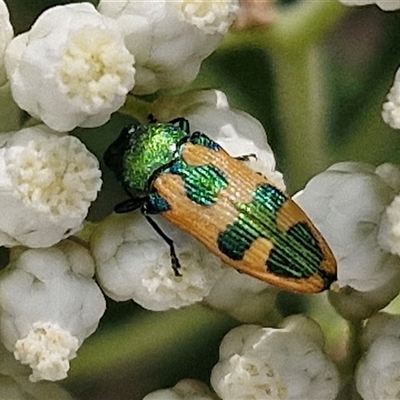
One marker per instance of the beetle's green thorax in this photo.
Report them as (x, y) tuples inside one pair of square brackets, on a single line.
[(141, 150)]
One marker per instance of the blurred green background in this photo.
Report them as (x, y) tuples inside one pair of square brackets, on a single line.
[(318, 90)]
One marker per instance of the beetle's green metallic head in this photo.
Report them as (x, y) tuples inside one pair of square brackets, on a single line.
[(142, 149)]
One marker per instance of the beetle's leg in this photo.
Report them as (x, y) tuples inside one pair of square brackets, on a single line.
[(152, 119), (182, 123), (246, 157), (174, 259), (129, 205), (203, 140)]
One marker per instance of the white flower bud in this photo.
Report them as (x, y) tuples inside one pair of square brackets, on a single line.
[(6, 34), (266, 363), (187, 389), (47, 182), (240, 134), (133, 262), (378, 375), (71, 69), (243, 297), (347, 203), (386, 5), (49, 304), (170, 38)]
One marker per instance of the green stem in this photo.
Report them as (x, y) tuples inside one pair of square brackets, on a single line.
[(292, 39), (10, 113), (136, 108), (302, 110), (295, 26), (354, 352)]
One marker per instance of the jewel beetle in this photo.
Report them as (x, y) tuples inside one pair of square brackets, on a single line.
[(234, 211)]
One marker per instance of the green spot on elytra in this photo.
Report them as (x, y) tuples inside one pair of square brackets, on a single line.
[(295, 253), (202, 183)]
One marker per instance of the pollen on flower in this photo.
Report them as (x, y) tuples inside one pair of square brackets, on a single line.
[(47, 349), (251, 379), (177, 291), (94, 68), (209, 16), (55, 175)]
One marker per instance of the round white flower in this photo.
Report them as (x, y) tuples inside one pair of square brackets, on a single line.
[(267, 363), (6, 34), (240, 134), (71, 69), (245, 298), (47, 183), (386, 5), (187, 389), (378, 373), (133, 262), (347, 203), (49, 304), (170, 38)]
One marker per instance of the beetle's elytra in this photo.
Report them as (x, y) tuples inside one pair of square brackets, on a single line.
[(237, 213)]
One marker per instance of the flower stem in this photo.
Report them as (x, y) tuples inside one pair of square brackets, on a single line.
[(136, 108), (292, 40), (296, 26), (302, 110), (354, 352)]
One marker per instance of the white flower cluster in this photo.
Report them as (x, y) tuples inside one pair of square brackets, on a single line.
[(76, 64), (193, 29), (74, 68), (259, 363)]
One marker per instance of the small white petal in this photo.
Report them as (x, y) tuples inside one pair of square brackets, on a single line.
[(209, 16)]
